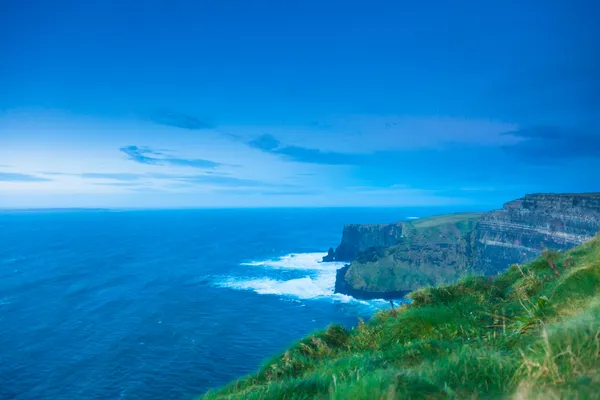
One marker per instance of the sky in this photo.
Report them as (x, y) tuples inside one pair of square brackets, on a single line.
[(169, 104)]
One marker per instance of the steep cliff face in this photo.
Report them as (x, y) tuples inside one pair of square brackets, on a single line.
[(388, 260), (523, 228), (357, 238)]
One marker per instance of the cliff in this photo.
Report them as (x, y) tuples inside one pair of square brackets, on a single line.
[(414, 259), (388, 261), (357, 238), (523, 228)]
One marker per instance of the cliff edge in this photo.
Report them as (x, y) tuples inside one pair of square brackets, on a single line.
[(360, 237), (387, 261)]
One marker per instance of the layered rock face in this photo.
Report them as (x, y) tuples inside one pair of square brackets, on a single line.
[(388, 260), (523, 228), (357, 238)]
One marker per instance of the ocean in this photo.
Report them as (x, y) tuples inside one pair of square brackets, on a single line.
[(164, 304)]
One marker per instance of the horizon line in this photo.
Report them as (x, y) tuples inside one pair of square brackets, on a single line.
[(24, 209)]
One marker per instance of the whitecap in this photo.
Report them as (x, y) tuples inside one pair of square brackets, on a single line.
[(302, 288), (319, 283), (297, 261)]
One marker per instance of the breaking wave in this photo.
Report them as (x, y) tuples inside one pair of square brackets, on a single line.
[(299, 261), (318, 281)]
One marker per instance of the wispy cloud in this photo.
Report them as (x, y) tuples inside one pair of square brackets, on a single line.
[(52, 173), (123, 177), (145, 155), (269, 144), (216, 179), (226, 181), (16, 177), (207, 178), (113, 176), (117, 184), (179, 120), (271, 191), (300, 192), (549, 144)]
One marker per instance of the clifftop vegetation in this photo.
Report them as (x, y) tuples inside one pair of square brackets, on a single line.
[(532, 332), (431, 251)]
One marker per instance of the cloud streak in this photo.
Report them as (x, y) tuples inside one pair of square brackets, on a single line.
[(117, 184), (224, 181), (207, 178), (269, 144), (271, 192), (124, 177), (178, 120), (217, 180), (16, 177), (145, 155), (549, 144)]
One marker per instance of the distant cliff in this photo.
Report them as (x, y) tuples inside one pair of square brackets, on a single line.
[(357, 238), (427, 251), (524, 227), (390, 260)]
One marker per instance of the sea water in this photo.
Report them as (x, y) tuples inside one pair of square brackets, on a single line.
[(164, 304)]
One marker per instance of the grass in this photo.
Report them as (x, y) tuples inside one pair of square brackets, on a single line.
[(532, 332), (433, 250), (436, 220)]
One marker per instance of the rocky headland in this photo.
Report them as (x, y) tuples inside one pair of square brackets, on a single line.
[(389, 260)]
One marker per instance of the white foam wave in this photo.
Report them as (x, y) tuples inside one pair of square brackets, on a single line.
[(319, 284), (301, 261), (412, 217), (302, 288)]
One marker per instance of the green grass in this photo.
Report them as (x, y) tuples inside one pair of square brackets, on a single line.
[(444, 239), (436, 220), (530, 333)]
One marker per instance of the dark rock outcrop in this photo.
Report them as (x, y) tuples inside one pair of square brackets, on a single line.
[(330, 257), (390, 259)]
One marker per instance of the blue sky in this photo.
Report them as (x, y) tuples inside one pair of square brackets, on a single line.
[(313, 103)]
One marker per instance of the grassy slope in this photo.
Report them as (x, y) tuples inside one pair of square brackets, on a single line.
[(527, 334)]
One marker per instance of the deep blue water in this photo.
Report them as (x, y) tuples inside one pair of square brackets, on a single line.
[(163, 304)]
